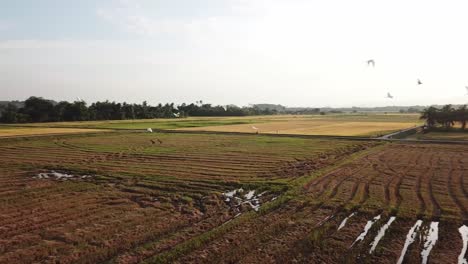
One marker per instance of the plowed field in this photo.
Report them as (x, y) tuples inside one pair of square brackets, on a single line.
[(129, 199), (404, 182), (196, 198)]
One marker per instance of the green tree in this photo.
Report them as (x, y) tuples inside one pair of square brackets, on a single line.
[(430, 115), (462, 116), (10, 114), (38, 109)]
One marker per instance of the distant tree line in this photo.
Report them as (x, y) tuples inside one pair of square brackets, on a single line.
[(37, 109), (445, 117)]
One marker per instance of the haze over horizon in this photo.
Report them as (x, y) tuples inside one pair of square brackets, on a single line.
[(289, 52)]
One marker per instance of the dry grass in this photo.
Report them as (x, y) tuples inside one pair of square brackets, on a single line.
[(350, 124), (23, 131), (142, 199), (314, 127)]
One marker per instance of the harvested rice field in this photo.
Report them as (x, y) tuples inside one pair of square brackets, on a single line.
[(312, 127), (354, 124), (10, 131), (120, 197), (123, 197)]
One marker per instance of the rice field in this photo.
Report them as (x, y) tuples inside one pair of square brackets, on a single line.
[(118, 197), (126, 197), (398, 203), (312, 127), (10, 131), (368, 124)]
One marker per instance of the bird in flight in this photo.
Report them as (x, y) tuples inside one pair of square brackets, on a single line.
[(149, 130), (419, 82), (389, 96), (466, 90), (371, 62), (255, 128)]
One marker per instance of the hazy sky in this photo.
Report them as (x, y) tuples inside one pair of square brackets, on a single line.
[(291, 52)]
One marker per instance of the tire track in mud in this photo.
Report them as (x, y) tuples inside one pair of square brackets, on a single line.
[(166, 239), (392, 194), (324, 181), (417, 187), (411, 165), (351, 177), (436, 211), (460, 179), (337, 176), (378, 160), (285, 230), (452, 170)]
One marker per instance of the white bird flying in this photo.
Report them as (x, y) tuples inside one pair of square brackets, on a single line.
[(419, 82), (389, 96), (254, 128), (371, 62), (149, 130)]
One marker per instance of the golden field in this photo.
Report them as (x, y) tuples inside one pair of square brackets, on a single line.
[(32, 131), (313, 127)]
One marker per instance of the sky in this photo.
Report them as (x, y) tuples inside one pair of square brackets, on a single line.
[(291, 52)]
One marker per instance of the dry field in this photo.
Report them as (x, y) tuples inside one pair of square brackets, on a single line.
[(197, 198), (120, 198), (26, 131), (362, 211), (364, 124), (312, 127)]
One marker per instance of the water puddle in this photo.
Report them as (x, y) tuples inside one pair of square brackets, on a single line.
[(381, 233), (464, 234), (410, 238), (249, 195), (430, 240), (366, 229), (343, 223), (236, 198), (60, 176)]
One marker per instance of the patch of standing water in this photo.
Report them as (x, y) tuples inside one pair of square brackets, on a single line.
[(430, 240), (59, 176), (410, 237), (381, 233), (464, 234), (249, 195), (231, 194), (343, 223), (236, 199), (366, 229)]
